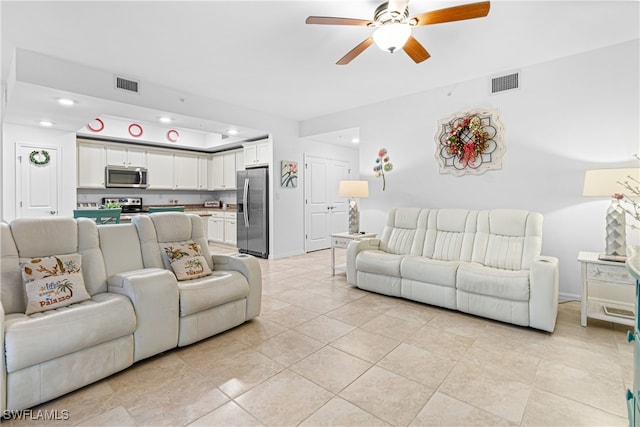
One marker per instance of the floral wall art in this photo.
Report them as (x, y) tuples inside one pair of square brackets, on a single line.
[(289, 174), (470, 143), (382, 165)]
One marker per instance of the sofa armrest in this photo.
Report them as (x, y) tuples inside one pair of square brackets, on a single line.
[(543, 293), (3, 369), (250, 268), (154, 295), (354, 248)]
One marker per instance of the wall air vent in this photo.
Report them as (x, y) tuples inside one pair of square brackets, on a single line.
[(127, 84), (504, 83)]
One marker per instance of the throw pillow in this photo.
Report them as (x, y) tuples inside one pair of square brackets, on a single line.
[(186, 259), (53, 282)]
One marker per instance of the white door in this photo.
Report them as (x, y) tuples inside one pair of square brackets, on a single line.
[(38, 181), (325, 211)]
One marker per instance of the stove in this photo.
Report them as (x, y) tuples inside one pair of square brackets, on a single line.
[(129, 204)]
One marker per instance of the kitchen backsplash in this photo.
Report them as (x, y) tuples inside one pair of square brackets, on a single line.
[(157, 197)]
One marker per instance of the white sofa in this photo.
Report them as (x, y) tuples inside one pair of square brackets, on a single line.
[(136, 307), (483, 262)]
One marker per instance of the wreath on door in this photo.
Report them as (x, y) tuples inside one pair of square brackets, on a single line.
[(39, 157)]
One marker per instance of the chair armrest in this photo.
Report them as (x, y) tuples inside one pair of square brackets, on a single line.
[(154, 295), (249, 267), (543, 293), (354, 248)]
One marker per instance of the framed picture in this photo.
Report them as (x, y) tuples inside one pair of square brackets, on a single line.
[(289, 174)]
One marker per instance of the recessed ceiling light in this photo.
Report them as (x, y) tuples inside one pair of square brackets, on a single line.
[(66, 101), (46, 123), (165, 119), (233, 131)]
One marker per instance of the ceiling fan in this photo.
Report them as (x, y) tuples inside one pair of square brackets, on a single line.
[(393, 26)]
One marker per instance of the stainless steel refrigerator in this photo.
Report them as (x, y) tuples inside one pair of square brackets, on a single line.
[(253, 212)]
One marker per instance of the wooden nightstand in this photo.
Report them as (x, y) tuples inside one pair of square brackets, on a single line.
[(608, 290), (341, 240)]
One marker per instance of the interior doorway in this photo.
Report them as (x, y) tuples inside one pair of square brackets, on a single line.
[(38, 180), (325, 210)]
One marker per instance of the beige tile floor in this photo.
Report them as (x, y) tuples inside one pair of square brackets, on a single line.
[(325, 353)]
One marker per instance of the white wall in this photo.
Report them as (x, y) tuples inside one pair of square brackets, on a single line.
[(569, 115)]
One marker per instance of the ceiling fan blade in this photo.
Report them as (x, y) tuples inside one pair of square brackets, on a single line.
[(328, 20), (456, 13), (415, 50), (350, 56)]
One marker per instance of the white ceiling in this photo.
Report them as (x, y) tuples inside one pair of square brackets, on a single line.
[(261, 55)]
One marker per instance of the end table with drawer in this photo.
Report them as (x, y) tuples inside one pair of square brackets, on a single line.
[(608, 290), (341, 240)]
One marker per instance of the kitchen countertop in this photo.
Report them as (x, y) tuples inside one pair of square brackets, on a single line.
[(193, 209)]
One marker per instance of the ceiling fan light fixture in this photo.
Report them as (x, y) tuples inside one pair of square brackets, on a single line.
[(391, 37)]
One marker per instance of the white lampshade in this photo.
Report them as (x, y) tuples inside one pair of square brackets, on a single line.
[(354, 189), (606, 182), (391, 37)]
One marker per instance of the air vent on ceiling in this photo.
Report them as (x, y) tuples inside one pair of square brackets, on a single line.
[(127, 84), (503, 83)]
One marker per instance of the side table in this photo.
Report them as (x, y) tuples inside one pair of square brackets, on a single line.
[(341, 240), (608, 290)]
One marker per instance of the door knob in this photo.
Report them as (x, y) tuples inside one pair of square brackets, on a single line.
[(52, 212)]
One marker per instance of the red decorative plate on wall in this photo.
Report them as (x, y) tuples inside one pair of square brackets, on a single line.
[(173, 135), (135, 130), (97, 125)]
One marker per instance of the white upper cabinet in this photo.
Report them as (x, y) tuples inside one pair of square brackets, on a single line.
[(186, 172), (257, 154), (91, 163), (203, 173), (160, 170), (223, 170), (124, 156)]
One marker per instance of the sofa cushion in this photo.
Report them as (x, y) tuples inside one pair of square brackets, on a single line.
[(186, 260), (34, 339), (505, 284), (379, 262), (428, 270), (53, 282), (211, 291)]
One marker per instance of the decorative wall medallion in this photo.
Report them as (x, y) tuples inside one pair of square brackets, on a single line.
[(135, 130), (173, 135), (96, 125), (470, 143)]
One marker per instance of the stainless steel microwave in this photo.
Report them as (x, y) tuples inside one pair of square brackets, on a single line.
[(119, 177)]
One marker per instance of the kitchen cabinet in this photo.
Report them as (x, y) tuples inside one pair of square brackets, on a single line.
[(123, 156), (160, 170), (203, 173), (257, 154), (223, 170), (216, 227), (91, 161), (230, 230), (186, 172)]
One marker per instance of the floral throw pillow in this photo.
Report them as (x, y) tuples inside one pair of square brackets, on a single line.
[(53, 282), (186, 260)]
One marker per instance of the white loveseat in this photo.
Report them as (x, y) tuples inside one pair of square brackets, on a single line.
[(483, 262), (136, 307)]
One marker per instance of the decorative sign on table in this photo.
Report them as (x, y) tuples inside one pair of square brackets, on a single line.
[(470, 143)]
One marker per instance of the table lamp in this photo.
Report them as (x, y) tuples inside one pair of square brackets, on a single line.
[(352, 190), (608, 183)]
